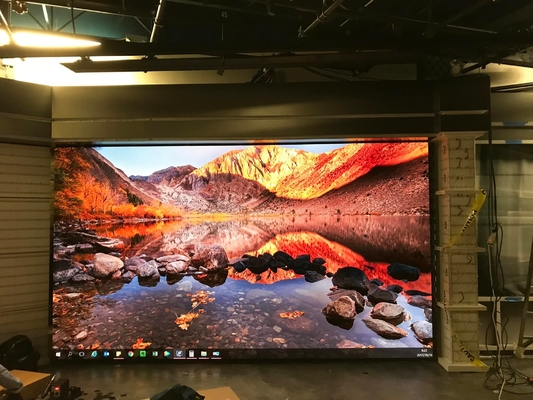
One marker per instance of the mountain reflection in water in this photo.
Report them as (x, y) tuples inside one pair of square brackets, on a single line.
[(368, 243)]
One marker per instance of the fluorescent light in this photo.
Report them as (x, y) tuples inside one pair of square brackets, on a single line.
[(38, 39)]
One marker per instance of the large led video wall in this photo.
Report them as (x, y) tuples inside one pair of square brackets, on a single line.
[(242, 251)]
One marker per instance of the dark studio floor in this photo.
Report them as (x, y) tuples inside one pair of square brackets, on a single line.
[(290, 381)]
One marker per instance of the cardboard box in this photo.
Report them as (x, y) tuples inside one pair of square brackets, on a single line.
[(223, 393), (34, 384)]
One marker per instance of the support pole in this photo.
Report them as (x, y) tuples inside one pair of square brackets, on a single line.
[(158, 23)]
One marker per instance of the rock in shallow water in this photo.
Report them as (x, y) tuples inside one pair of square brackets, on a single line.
[(132, 264), (403, 272), (176, 267), (259, 293), (348, 344), (420, 301), (342, 308), (377, 295), (105, 265), (395, 288), (385, 329), (299, 326), (351, 278), (387, 312), (128, 277), (148, 270), (417, 293), (257, 265), (428, 312), (212, 257), (358, 299), (239, 266), (313, 276), (423, 331)]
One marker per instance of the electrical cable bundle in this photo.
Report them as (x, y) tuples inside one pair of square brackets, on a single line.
[(501, 376), (265, 75)]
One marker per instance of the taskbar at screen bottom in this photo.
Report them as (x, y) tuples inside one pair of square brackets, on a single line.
[(238, 354)]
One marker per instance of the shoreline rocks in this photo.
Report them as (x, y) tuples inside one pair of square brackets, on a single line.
[(212, 257), (106, 265)]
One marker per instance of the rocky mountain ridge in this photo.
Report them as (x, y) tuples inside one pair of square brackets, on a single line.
[(251, 179)]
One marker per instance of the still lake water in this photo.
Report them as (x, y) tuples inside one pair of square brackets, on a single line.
[(245, 312)]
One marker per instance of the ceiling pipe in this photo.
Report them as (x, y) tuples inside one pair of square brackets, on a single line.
[(323, 17), (4, 21), (158, 23)]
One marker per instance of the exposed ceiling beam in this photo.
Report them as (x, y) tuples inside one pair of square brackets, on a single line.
[(516, 63), (454, 46), (341, 60), (105, 7), (364, 14), (148, 11), (460, 14)]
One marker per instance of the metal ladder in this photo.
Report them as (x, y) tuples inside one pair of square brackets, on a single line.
[(525, 341)]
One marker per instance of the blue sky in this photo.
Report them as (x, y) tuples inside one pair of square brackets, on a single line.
[(144, 160)]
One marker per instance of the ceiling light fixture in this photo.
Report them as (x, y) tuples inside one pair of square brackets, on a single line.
[(38, 39)]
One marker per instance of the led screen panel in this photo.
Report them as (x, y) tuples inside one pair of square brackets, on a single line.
[(242, 251)]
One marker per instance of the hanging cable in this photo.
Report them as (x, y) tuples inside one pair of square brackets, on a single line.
[(502, 377), (72, 17)]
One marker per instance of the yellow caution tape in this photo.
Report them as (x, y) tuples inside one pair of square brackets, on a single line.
[(478, 203), (473, 359)]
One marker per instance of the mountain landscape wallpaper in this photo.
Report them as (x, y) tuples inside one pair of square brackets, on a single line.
[(279, 248)]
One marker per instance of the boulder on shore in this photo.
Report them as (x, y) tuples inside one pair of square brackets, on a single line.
[(385, 329), (403, 272), (132, 264), (148, 270), (105, 265), (213, 257), (64, 270), (172, 258), (342, 308), (176, 267), (351, 278)]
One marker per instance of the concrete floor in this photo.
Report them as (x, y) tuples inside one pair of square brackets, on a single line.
[(390, 379)]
